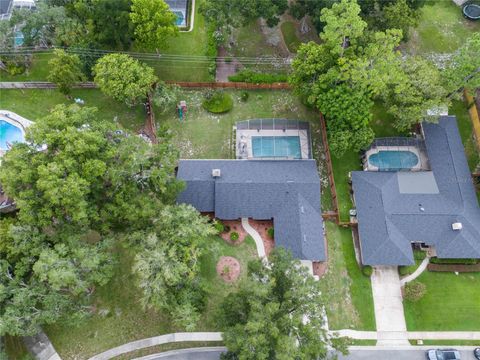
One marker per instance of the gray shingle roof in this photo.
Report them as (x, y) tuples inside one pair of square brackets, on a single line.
[(287, 191), (392, 214)]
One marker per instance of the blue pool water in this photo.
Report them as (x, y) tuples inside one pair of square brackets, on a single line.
[(276, 146), (387, 160), (18, 38), (9, 134), (180, 21)]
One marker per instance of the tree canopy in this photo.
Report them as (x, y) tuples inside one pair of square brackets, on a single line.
[(463, 70), (154, 23), (276, 314), (241, 12), (76, 171), (352, 67), (46, 279), (124, 78), (167, 263), (65, 70)]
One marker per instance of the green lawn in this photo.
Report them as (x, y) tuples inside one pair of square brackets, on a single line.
[(38, 70), (442, 29), (347, 291), (36, 103), (450, 304), (192, 43), (290, 36), (465, 127), (119, 317), (251, 42), (16, 349)]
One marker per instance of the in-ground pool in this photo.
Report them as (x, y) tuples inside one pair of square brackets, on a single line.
[(180, 20), (9, 134), (276, 146), (388, 160)]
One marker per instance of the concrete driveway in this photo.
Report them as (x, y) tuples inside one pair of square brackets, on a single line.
[(388, 304)]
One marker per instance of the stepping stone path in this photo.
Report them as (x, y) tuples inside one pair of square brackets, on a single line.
[(228, 268)]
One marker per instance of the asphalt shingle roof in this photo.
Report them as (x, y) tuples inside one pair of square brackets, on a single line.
[(286, 190), (390, 219)]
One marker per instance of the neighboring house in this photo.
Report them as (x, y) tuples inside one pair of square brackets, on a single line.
[(433, 205), (287, 191), (7, 7)]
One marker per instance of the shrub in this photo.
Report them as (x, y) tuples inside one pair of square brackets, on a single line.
[(250, 76), (367, 270), (234, 236), (220, 102), (414, 291), (15, 69), (436, 260), (244, 96), (219, 227), (406, 270), (270, 233)]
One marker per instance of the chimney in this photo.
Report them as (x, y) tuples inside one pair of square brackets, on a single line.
[(457, 226), (216, 173)]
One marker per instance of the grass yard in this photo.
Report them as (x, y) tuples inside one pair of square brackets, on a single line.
[(192, 43), (252, 42), (16, 349), (442, 29), (119, 317), (465, 127), (34, 104), (451, 303), (38, 70), (347, 291), (290, 38)]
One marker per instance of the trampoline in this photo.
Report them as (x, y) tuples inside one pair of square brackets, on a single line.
[(472, 11)]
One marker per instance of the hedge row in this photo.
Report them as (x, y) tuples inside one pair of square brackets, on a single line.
[(250, 76), (436, 260)]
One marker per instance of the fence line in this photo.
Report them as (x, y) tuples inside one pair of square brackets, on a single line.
[(328, 159), (183, 84)]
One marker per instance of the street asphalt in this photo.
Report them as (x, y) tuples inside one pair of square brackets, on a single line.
[(355, 354)]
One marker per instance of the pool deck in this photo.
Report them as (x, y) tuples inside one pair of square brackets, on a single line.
[(16, 120), (244, 148), (420, 166)]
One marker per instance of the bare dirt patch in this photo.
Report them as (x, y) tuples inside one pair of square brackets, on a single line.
[(228, 268)]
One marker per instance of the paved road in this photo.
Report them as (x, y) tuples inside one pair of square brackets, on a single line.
[(355, 354), (395, 355)]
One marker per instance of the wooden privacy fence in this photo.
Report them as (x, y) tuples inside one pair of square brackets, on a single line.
[(331, 179), (232, 85)]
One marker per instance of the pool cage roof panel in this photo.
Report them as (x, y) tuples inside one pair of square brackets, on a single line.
[(177, 4), (272, 124)]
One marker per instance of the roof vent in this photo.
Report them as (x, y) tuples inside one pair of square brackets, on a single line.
[(457, 226), (216, 173), (302, 209)]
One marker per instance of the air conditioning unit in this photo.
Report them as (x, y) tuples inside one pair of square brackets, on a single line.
[(457, 226), (216, 173)]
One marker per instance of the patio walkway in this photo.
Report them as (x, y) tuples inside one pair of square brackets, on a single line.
[(256, 237), (421, 268)]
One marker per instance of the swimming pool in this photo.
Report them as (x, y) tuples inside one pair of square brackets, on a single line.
[(276, 146), (180, 20), (390, 160), (9, 134)]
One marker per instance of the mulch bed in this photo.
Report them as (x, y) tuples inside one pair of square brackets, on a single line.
[(453, 268), (235, 226), (228, 268), (262, 226), (319, 268)]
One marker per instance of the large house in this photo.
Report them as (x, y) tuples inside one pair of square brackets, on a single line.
[(287, 191), (7, 7), (433, 205)]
